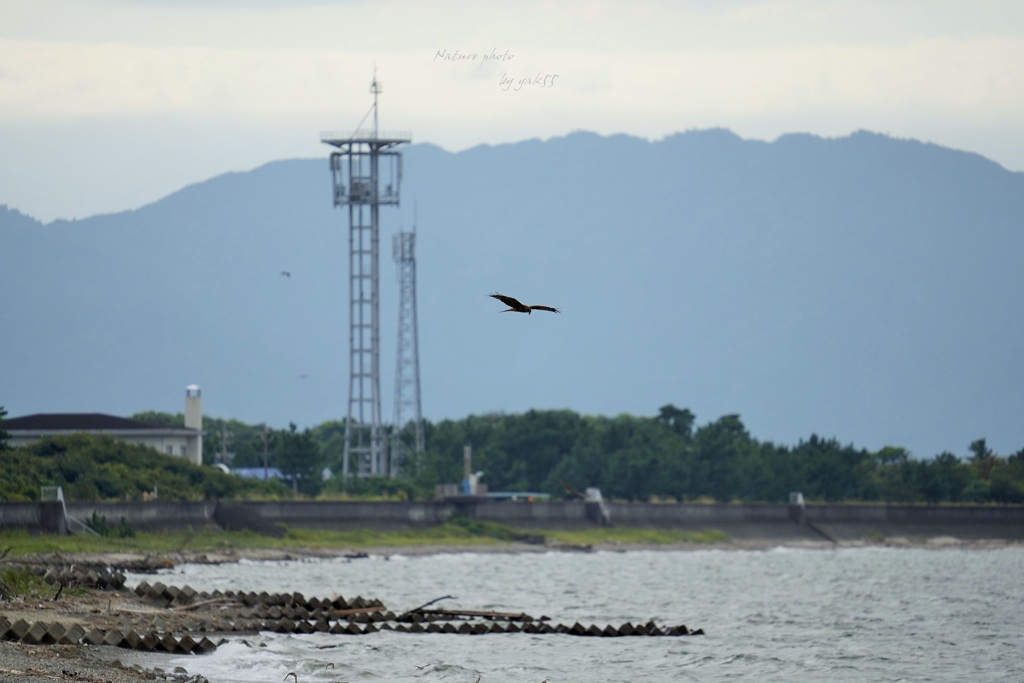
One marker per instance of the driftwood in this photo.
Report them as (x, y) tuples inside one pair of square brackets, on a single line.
[(483, 614), (467, 613), (404, 615), (202, 603), (357, 610)]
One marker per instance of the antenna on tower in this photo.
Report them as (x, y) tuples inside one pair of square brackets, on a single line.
[(376, 89)]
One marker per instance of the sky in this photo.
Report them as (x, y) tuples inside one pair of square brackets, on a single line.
[(108, 105)]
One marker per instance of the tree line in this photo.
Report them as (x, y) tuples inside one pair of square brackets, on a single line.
[(663, 456), (666, 456)]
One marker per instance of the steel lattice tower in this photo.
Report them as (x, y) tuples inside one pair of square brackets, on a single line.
[(364, 161), (407, 437)]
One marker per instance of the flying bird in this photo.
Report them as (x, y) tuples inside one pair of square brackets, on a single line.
[(286, 273), (515, 306)]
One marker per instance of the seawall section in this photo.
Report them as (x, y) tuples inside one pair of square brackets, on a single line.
[(780, 522)]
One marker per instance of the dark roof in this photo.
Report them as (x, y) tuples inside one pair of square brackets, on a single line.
[(77, 422)]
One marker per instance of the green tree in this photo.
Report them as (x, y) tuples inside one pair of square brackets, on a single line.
[(724, 450), (980, 450), (678, 420), (943, 479), (893, 475), (330, 437), (159, 418), (298, 457), (831, 471)]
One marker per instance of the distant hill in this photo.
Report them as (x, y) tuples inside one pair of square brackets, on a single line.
[(863, 288)]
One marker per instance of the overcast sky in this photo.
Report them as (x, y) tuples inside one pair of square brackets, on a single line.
[(107, 105)]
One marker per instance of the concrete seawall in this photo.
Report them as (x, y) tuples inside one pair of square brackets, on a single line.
[(744, 522)]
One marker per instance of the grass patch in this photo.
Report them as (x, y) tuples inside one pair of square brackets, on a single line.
[(874, 537), (628, 535), (361, 538), (209, 539), (458, 531), (22, 583)]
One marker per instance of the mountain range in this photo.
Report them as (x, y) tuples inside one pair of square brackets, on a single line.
[(864, 288)]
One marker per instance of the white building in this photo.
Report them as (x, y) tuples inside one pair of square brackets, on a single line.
[(185, 442)]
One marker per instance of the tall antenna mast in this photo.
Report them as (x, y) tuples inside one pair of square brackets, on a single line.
[(407, 437), (376, 89), (365, 160)]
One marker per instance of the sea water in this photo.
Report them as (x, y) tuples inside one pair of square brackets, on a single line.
[(785, 614)]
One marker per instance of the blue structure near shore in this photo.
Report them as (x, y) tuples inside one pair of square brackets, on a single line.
[(261, 473), (527, 496)]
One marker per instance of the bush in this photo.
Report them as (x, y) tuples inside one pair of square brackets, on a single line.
[(100, 468), (122, 529)]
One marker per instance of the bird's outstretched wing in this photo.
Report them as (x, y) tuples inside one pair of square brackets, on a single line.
[(544, 308), (510, 302)]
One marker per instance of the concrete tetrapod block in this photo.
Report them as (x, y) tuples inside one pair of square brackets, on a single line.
[(149, 642), (205, 646), (54, 633), (74, 634), (36, 633), (186, 644), (167, 643), (18, 629), (94, 636), (282, 626), (113, 637), (186, 595), (131, 640)]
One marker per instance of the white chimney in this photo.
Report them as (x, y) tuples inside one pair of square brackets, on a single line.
[(194, 420)]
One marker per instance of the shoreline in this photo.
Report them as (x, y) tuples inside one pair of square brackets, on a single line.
[(168, 559), (39, 663), (151, 562)]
